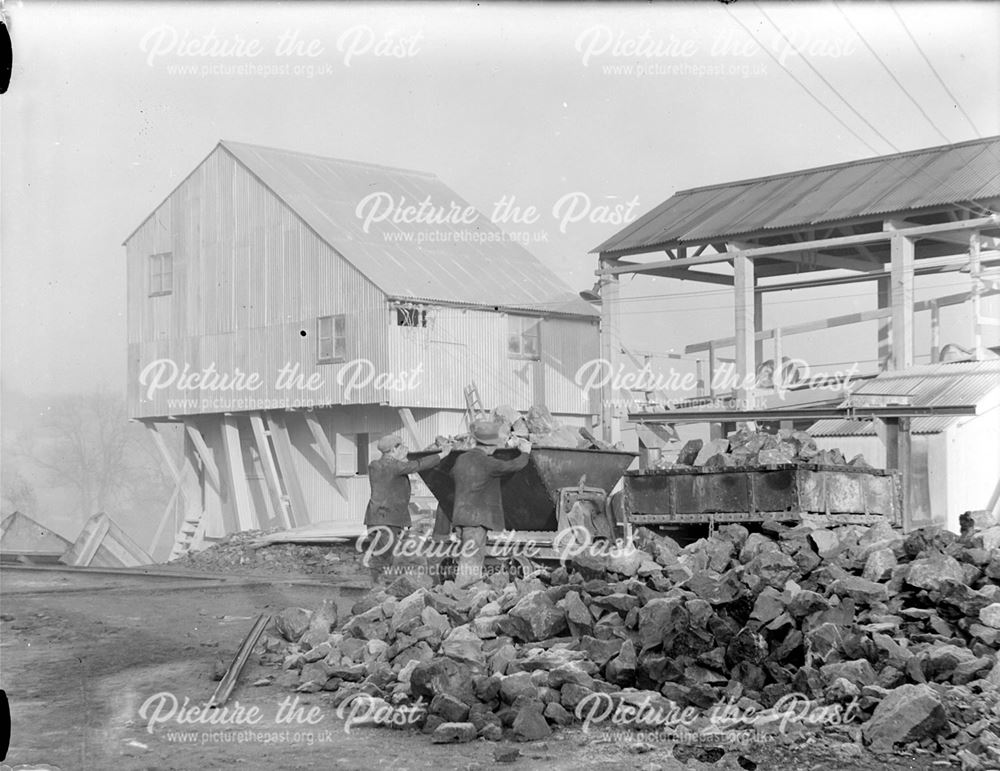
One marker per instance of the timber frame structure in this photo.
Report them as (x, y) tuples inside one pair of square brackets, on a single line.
[(885, 219)]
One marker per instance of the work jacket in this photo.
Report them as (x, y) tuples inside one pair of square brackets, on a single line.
[(477, 488), (390, 483)]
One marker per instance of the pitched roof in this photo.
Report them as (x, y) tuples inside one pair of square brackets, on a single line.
[(928, 385), (951, 174), (456, 254)]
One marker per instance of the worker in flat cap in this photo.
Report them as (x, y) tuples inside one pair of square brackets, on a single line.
[(478, 507), (389, 508)]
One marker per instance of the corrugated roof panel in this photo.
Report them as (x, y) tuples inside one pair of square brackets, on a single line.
[(824, 201), (933, 425), (683, 211), (440, 258), (739, 215), (959, 173), (931, 181), (928, 385), (809, 197)]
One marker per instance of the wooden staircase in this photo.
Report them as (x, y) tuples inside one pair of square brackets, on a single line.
[(190, 534)]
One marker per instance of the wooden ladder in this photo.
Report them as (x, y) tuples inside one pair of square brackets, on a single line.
[(474, 406)]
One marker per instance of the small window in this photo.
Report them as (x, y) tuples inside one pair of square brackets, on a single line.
[(161, 274), (524, 339), (411, 317), (331, 344), (362, 442)]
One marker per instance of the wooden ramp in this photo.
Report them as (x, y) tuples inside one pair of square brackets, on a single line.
[(102, 543), (327, 531), (22, 539)]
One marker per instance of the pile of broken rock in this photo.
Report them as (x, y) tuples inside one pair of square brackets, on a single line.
[(757, 448), (897, 634)]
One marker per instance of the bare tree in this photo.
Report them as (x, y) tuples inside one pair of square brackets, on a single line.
[(18, 494), (85, 443)]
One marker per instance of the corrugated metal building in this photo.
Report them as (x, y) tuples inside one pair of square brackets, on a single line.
[(285, 307), (882, 221), (956, 460)]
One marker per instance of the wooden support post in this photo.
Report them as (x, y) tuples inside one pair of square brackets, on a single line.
[(714, 429), (898, 456), (161, 445), (902, 301), (286, 464), (411, 426), (884, 300), (270, 469), (165, 518), (975, 269), (610, 343), (746, 364), (172, 471), (779, 370), (204, 454), (905, 461), (758, 326), (186, 487), (325, 450), (935, 331), (237, 474)]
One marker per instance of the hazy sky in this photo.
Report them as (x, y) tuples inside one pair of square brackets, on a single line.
[(112, 105)]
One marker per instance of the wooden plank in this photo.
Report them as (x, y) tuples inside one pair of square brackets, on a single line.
[(610, 340), (744, 325), (325, 450), (839, 321), (204, 454), (805, 246), (322, 442), (101, 527), (299, 513), (935, 331), (411, 426), (977, 288), (237, 473), (902, 302), (161, 445), (758, 326), (270, 470), (904, 457), (883, 289), (166, 517)]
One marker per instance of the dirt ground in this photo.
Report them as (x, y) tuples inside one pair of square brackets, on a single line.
[(81, 652)]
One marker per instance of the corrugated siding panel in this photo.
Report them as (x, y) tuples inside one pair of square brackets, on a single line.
[(460, 346), (249, 278)]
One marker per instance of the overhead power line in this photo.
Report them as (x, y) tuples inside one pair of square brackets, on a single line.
[(974, 211), (828, 84), (954, 99), (889, 72)]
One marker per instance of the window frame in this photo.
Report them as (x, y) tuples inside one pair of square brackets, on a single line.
[(523, 324), (336, 319), (160, 280), (362, 443)]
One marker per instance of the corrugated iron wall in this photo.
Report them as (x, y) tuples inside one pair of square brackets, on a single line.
[(250, 280)]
